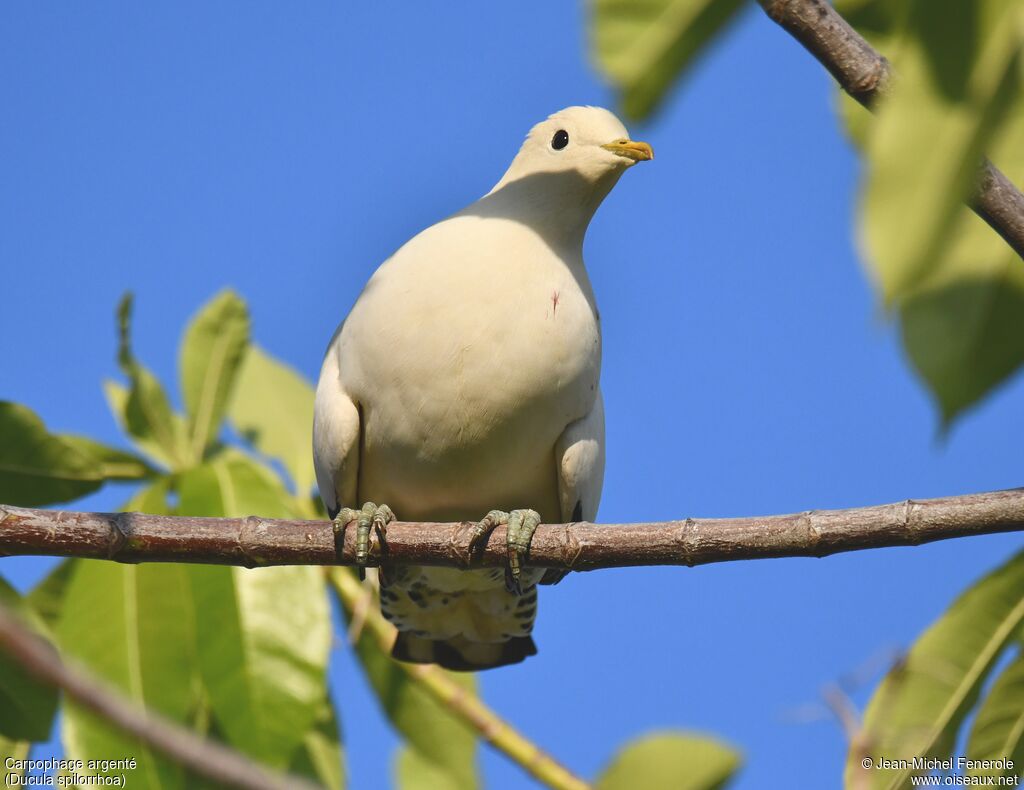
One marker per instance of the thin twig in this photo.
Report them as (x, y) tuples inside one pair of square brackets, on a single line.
[(839, 702), (842, 707), (465, 707), (253, 541), (865, 74), (208, 759)]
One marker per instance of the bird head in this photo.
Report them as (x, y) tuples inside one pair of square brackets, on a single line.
[(589, 141), (564, 169)]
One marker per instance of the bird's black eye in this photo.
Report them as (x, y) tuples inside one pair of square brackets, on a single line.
[(560, 140)]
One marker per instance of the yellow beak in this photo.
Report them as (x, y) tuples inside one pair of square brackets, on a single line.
[(631, 149)]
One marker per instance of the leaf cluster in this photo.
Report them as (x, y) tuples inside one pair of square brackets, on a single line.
[(955, 287), (961, 684)]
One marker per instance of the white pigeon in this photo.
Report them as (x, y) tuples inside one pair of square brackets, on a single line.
[(464, 382)]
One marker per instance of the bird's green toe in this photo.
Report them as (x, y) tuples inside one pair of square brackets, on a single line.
[(483, 529), (370, 518), (521, 526)]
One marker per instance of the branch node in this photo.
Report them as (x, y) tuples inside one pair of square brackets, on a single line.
[(810, 520), (250, 524), (871, 82), (571, 548), (120, 527), (908, 523), (776, 9), (458, 544), (688, 540)]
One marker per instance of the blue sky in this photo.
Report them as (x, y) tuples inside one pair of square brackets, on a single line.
[(285, 150)]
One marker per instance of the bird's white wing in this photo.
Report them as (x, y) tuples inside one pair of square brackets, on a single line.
[(579, 454), (336, 427)]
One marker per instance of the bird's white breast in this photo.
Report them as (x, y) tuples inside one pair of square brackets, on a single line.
[(468, 354)]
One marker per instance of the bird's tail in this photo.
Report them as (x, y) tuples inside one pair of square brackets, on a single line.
[(461, 655)]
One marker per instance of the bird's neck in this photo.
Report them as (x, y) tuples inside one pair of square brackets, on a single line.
[(558, 205)]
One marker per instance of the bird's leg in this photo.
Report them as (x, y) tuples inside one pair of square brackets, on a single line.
[(369, 518), (521, 526)]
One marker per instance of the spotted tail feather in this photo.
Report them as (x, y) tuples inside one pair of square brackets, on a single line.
[(461, 655)]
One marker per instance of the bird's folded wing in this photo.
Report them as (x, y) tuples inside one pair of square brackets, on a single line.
[(336, 426)]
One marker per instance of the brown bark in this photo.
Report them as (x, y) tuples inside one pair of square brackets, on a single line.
[(254, 541)]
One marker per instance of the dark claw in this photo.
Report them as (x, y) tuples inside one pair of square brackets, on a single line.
[(381, 519), (512, 583)]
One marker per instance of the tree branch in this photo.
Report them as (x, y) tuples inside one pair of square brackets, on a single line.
[(253, 541), (865, 74), (213, 761)]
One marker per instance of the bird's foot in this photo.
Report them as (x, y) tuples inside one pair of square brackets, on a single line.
[(521, 526), (369, 518)]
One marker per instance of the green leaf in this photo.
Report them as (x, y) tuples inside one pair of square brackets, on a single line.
[(47, 597), (962, 324), (146, 411), (856, 119), (263, 641), (436, 737), (642, 46), (117, 401), (874, 19), (958, 76), (964, 328), (234, 485), (320, 757), (114, 464), (263, 635), (998, 730), (14, 750), (273, 408), (211, 352), (967, 337), (671, 761), (148, 416), (921, 703), (151, 499), (414, 771), (27, 706), (38, 467), (131, 625)]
